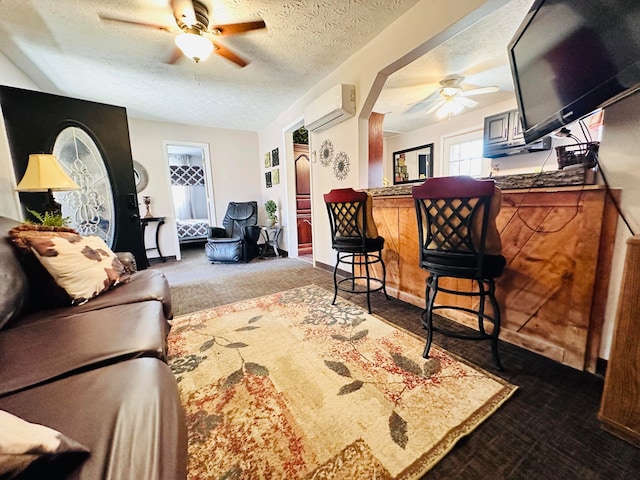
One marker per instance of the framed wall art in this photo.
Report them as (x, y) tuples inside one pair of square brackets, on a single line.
[(276, 176), (413, 164), (267, 179), (267, 160), (275, 157)]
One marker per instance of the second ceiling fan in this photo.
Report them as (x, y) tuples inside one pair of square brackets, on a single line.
[(193, 20), (451, 98)]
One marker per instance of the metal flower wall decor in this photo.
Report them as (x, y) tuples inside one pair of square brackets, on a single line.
[(341, 166), (326, 153)]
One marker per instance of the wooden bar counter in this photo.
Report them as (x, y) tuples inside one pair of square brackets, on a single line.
[(558, 242)]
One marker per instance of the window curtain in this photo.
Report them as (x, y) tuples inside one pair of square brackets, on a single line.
[(187, 185)]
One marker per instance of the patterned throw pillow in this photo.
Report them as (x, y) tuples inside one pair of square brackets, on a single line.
[(44, 291), (83, 266), (36, 451)]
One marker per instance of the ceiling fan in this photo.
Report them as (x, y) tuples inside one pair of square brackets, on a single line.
[(192, 19), (451, 98)]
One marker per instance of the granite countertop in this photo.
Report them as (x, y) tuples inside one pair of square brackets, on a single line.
[(556, 178)]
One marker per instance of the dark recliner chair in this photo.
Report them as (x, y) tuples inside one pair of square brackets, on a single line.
[(238, 240)]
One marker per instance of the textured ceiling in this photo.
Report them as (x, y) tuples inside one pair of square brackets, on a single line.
[(478, 53), (66, 48)]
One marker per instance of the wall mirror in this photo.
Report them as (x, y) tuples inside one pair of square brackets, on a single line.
[(413, 164)]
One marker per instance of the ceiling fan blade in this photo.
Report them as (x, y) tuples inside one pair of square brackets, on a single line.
[(435, 106), (229, 55), (467, 102), (233, 28), (435, 95), (133, 22), (184, 12), (426, 100), (176, 54), (480, 91)]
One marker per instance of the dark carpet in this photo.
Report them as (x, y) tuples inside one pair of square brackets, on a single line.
[(547, 430)]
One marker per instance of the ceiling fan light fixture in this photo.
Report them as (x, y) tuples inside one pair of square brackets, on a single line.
[(450, 108), (450, 91), (194, 45)]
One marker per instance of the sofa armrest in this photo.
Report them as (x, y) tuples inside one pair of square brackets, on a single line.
[(128, 260), (217, 232)]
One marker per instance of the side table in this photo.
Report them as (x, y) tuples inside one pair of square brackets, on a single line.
[(271, 235), (159, 221)]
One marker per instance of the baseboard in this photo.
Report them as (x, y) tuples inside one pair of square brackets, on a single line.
[(155, 260), (329, 268)]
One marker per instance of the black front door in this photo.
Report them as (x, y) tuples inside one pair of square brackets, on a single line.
[(36, 122)]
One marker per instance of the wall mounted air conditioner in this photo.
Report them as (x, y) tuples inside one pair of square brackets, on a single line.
[(332, 107)]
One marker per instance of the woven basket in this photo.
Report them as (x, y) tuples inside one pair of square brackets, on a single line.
[(582, 154)]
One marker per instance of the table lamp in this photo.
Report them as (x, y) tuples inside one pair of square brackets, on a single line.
[(45, 174)]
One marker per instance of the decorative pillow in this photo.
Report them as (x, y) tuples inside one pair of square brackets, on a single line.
[(44, 291), (16, 232), (83, 266), (35, 451)]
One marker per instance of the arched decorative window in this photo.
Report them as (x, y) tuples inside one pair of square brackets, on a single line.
[(91, 208)]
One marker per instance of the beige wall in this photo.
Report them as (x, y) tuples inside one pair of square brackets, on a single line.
[(233, 156)]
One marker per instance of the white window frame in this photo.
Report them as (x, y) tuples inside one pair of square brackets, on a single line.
[(483, 168)]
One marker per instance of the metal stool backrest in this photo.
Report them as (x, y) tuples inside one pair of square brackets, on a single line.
[(346, 209), (453, 214)]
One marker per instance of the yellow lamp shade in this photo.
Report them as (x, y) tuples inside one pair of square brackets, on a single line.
[(44, 173)]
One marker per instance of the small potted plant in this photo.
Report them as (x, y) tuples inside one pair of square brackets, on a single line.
[(50, 219), (271, 207)]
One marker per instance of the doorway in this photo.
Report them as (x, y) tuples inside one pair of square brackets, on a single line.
[(92, 143), (303, 199), (191, 191)]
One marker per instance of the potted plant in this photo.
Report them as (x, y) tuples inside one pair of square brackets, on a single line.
[(50, 219), (271, 207)]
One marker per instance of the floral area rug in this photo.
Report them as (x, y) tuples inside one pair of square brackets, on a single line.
[(288, 386)]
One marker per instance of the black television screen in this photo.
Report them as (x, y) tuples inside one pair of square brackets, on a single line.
[(570, 57)]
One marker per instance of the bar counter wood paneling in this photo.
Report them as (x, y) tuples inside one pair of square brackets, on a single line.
[(558, 244), (620, 407)]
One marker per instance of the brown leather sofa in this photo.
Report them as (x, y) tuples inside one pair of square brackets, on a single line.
[(95, 372)]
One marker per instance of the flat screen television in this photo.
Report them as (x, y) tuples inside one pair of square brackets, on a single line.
[(571, 57)]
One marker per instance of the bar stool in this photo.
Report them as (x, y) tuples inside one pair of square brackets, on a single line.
[(459, 239), (355, 239)]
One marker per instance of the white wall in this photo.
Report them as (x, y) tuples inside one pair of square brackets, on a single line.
[(233, 157), (456, 125), (414, 33), (11, 76), (473, 121), (619, 159)]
